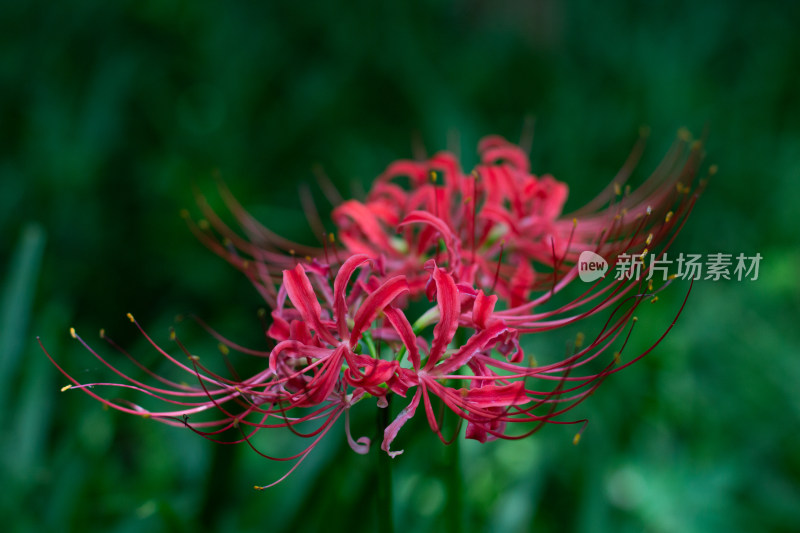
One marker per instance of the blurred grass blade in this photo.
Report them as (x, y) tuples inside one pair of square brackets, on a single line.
[(16, 302)]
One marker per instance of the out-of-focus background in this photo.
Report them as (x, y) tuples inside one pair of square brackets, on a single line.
[(111, 112)]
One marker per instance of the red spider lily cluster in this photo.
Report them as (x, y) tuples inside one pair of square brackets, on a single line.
[(490, 250)]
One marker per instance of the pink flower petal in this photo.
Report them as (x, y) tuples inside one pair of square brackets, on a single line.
[(483, 308), (376, 302), (496, 395), (302, 295), (354, 214), (400, 323), (509, 153), (477, 343), (449, 310), (339, 287), (360, 446), (452, 243), (392, 429)]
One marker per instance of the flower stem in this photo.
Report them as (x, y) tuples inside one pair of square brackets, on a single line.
[(455, 503), (384, 492), (455, 499)]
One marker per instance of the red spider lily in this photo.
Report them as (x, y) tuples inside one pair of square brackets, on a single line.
[(478, 246)]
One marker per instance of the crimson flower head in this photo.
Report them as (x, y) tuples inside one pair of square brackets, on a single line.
[(485, 257)]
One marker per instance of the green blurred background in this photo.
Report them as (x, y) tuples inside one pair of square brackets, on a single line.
[(110, 112)]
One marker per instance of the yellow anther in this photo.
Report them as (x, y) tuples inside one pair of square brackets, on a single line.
[(617, 189), (203, 224), (102, 333), (576, 439), (617, 357), (308, 258), (579, 338), (172, 335), (574, 222), (668, 217), (467, 199), (332, 237), (72, 333), (194, 358), (145, 415), (130, 317), (66, 387), (256, 487), (712, 170), (697, 145), (684, 135), (223, 349), (650, 285), (649, 239), (636, 319), (624, 212), (673, 276), (434, 176), (644, 253), (246, 263), (291, 251), (654, 300)]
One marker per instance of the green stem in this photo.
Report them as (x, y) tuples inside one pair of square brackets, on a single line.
[(367, 336), (384, 492), (455, 501)]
